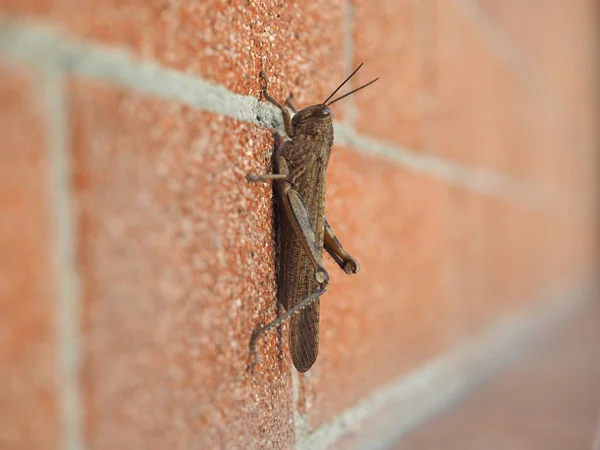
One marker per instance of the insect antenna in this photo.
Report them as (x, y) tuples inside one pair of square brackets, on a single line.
[(343, 83), (352, 92)]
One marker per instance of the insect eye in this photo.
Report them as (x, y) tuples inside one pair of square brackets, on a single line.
[(324, 113)]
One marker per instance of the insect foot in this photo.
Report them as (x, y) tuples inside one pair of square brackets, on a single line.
[(351, 266), (321, 276), (253, 178)]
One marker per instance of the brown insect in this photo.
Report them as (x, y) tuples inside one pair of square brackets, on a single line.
[(300, 166)]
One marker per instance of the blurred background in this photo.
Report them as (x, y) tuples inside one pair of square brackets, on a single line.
[(135, 259)]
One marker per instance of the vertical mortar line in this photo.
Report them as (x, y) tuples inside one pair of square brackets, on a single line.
[(65, 241), (349, 60), (301, 422)]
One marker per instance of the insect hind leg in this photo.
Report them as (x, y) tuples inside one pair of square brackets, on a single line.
[(305, 302)]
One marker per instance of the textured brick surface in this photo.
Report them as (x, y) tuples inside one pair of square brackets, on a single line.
[(396, 235), (476, 111), (177, 269), (227, 42), (389, 38), (502, 256), (549, 400), (28, 407), (175, 249), (491, 103), (561, 49), (555, 42), (18, 8), (464, 258)]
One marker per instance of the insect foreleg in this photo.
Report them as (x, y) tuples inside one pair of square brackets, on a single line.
[(281, 173), (265, 177), (287, 120), (290, 103)]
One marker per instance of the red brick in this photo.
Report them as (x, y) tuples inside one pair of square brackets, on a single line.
[(28, 410), (35, 8), (501, 257), (480, 260), (476, 113), (576, 250), (392, 316), (508, 260), (176, 250), (177, 263), (389, 39), (492, 109), (484, 112), (555, 36), (559, 41), (464, 256), (298, 44)]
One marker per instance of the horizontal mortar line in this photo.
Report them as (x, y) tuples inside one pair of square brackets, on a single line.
[(45, 47), (472, 178), (428, 390)]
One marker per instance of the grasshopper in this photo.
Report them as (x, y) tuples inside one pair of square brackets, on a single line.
[(300, 165)]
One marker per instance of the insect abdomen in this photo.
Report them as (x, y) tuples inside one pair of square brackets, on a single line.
[(297, 273)]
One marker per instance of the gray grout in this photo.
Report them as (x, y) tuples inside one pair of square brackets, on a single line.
[(301, 422), (65, 241), (44, 47), (475, 179), (412, 399)]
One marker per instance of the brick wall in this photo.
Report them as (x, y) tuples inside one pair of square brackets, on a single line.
[(136, 260)]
